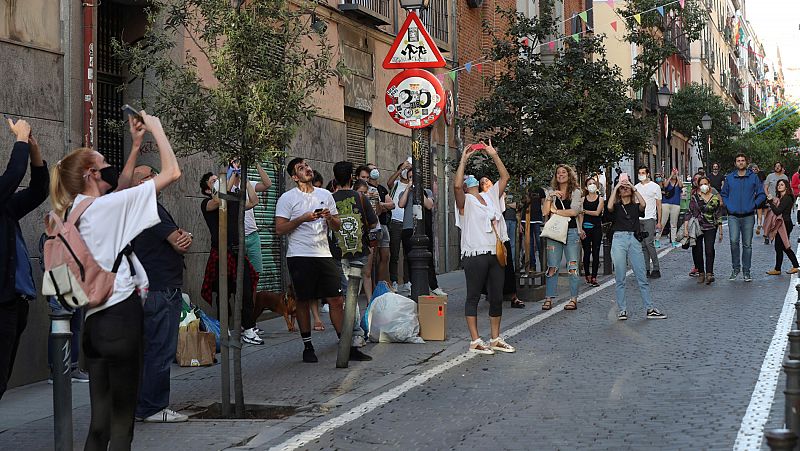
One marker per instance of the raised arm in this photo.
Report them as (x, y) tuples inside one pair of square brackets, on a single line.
[(137, 130), (396, 174), (18, 163), (170, 171), (501, 168), (265, 182), (252, 197), (458, 181)]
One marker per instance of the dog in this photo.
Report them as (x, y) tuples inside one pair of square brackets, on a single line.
[(281, 303)]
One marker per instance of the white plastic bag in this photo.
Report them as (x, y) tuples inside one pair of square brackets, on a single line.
[(393, 319)]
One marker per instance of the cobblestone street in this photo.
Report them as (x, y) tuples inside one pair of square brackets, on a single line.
[(579, 380)]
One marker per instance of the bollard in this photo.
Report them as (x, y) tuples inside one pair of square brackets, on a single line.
[(797, 306), (62, 384), (792, 392), (346, 339), (607, 267), (794, 345), (780, 439)]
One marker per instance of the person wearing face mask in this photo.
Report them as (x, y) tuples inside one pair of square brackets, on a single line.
[(398, 182), (383, 205), (112, 334), (592, 230), (651, 223), (778, 225), (671, 205), (706, 207)]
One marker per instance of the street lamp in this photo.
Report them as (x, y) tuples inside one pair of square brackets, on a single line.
[(419, 256), (706, 121), (664, 96)]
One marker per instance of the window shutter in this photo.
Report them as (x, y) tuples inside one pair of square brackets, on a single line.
[(356, 136)]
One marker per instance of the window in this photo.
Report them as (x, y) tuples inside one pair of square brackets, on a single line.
[(356, 121)]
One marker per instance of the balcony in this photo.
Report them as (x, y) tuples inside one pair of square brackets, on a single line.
[(736, 90), (435, 19), (673, 34), (371, 12)]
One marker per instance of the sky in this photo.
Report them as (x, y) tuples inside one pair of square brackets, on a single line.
[(777, 25)]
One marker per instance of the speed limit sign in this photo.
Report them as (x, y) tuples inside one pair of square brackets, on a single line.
[(415, 98)]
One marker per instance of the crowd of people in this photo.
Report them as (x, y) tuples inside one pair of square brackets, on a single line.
[(129, 339)]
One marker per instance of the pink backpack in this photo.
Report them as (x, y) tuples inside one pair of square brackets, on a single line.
[(71, 273)]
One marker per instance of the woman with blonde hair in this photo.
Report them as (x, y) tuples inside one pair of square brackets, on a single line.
[(564, 199), (112, 334)]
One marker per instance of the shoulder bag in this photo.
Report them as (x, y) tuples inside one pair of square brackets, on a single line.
[(556, 227)]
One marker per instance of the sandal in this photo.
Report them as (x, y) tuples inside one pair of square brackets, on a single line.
[(548, 304), (571, 305), (517, 303), (319, 327)]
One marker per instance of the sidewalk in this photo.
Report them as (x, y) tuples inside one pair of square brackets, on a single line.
[(273, 374)]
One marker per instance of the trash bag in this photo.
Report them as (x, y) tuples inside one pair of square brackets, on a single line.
[(187, 311), (380, 289), (392, 318), (209, 324)]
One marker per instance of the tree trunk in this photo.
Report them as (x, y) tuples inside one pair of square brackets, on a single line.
[(238, 389), (222, 297)]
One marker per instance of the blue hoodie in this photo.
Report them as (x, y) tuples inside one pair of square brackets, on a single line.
[(742, 194)]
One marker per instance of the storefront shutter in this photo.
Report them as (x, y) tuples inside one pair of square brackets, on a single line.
[(272, 278)]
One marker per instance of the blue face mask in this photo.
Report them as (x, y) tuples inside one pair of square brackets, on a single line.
[(471, 181)]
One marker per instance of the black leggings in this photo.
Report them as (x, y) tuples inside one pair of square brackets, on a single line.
[(112, 343), (705, 245), (591, 250), (480, 271), (780, 249)]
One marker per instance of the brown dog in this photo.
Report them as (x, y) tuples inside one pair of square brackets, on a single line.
[(281, 303)]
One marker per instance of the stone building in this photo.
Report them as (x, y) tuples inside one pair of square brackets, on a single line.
[(60, 74)]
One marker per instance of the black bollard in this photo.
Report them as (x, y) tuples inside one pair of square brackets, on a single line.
[(797, 307), (794, 345), (792, 392), (350, 302), (780, 439), (607, 267), (60, 336)]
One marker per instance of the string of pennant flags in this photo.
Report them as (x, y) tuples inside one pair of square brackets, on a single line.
[(584, 15)]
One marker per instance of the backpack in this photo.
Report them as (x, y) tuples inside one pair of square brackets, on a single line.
[(71, 273)]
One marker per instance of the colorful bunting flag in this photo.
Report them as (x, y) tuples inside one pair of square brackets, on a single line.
[(479, 67), (552, 45), (452, 75), (468, 67), (614, 25), (585, 16), (638, 18), (660, 10), (683, 3), (576, 37), (611, 3)]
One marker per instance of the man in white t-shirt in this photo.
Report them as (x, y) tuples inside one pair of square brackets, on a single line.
[(651, 222), (398, 182), (251, 239), (304, 214)]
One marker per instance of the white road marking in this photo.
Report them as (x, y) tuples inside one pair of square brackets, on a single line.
[(364, 408), (751, 431)]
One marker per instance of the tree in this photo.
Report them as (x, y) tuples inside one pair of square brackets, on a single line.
[(574, 110), (657, 36), (266, 62), (689, 105), (765, 144)]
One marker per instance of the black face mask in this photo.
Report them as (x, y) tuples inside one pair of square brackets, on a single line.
[(110, 176)]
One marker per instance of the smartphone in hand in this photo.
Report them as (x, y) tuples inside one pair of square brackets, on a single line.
[(623, 177), (478, 146), (132, 112)]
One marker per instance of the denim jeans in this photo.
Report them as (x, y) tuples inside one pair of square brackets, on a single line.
[(359, 337), (162, 313), (75, 324), (741, 229), (571, 252), (535, 231), (511, 225), (625, 247)]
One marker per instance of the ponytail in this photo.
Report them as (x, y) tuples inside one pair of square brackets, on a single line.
[(66, 179)]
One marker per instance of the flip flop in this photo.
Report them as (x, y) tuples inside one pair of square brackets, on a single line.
[(319, 327)]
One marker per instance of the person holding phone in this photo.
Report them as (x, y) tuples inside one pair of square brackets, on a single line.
[(626, 206), (671, 191)]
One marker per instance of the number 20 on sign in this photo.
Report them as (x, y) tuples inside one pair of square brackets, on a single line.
[(415, 98)]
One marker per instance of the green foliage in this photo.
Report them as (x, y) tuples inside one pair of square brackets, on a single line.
[(575, 110), (764, 144), (265, 63), (651, 36), (689, 105)]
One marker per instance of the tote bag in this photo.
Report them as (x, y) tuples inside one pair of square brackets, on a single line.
[(556, 227)]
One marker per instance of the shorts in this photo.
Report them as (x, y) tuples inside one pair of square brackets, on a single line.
[(314, 277), (384, 237)]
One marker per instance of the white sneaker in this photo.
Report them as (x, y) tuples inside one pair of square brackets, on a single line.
[(405, 288), (325, 308), (250, 336), (438, 292), (166, 416)]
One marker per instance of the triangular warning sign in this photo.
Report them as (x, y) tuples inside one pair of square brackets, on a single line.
[(413, 48)]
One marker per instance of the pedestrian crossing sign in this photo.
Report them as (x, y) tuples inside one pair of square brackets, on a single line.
[(413, 48)]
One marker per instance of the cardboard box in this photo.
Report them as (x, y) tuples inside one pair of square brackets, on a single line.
[(432, 313)]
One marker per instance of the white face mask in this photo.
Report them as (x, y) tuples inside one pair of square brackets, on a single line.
[(642, 178), (591, 188), (704, 189)]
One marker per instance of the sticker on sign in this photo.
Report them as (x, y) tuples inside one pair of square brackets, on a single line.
[(414, 98), (413, 48)]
